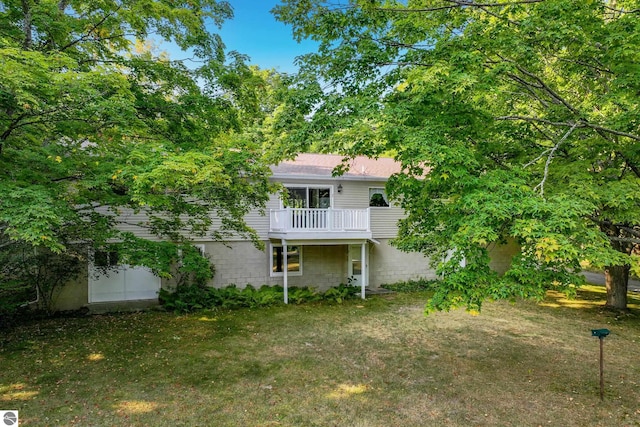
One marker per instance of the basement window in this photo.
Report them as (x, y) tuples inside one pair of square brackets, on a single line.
[(294, 260)]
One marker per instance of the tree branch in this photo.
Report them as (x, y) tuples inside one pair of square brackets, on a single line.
[(495, 15), (612, 131), (533, 119), (584, 64), (537, 158), (621, 10), (67, 178), (550, 158), (625, 239), (403, 64), (630, 165), (90, 30), (12, 126), (546, 88), (629, 230), (528, 87), (619, 226), (458, 4), (580, 124), (7, 243)]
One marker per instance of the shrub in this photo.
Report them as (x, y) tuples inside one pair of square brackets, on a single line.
[(189, 298), (412, 285), (303, 295), (341, 293), (34, 275), (184, 298)]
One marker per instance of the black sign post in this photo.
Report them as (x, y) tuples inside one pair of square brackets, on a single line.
[(601, 333)]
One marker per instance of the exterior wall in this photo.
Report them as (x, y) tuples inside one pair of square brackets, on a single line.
[(323, 266), (389, 265), (384, 222), (75, 294), (501, 255), (240, 263), (354, 195), (128, 220)]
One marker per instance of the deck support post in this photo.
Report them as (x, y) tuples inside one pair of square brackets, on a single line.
[(364, 273), (285, 273)]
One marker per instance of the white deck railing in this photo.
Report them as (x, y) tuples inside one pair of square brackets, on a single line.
[(294, 219)]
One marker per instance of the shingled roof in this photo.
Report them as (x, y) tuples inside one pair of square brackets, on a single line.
[(322, 165)]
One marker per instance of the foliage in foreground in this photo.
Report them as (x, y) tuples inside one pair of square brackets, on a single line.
[(191, 298), (99, 129), (513, 121), (412, 285)]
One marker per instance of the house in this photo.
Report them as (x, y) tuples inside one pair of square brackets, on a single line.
[(327, 230)]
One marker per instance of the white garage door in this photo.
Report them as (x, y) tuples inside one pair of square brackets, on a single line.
[(121, 282)]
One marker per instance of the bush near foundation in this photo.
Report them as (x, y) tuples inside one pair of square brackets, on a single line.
[(412, 285), (191, 298)]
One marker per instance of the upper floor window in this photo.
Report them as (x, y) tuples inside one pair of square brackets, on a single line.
[(378, 197), (308, 197)]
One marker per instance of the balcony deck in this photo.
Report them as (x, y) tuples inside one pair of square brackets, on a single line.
[(319, 224)]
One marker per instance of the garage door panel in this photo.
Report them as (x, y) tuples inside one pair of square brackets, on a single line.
[(141, 283), (106, 286), (124, 284)]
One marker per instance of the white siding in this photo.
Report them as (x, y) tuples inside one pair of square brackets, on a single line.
[(354, 195), (384, 222)]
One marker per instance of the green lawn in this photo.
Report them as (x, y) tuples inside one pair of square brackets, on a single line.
[(380, 362)]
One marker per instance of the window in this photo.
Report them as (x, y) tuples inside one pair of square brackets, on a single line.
[(105, 259), (294, 260), (378, 197), (308, 197)]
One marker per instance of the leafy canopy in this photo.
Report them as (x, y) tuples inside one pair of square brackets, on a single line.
[(98, 129), (514, 120)]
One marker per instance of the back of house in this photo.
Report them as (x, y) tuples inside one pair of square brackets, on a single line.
[(320, 231)]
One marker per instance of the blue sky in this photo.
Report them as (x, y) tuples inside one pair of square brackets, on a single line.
[(255, 32)]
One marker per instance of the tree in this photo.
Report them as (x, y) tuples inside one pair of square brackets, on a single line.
[(513, 119), (94, 122)]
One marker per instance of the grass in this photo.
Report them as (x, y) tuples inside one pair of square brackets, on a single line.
[(378, 362)]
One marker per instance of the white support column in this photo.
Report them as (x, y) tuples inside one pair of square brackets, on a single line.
[(285, 268), (364, 271)]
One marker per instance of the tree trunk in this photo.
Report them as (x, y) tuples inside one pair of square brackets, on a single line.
[(616, 279), (26, 25)]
